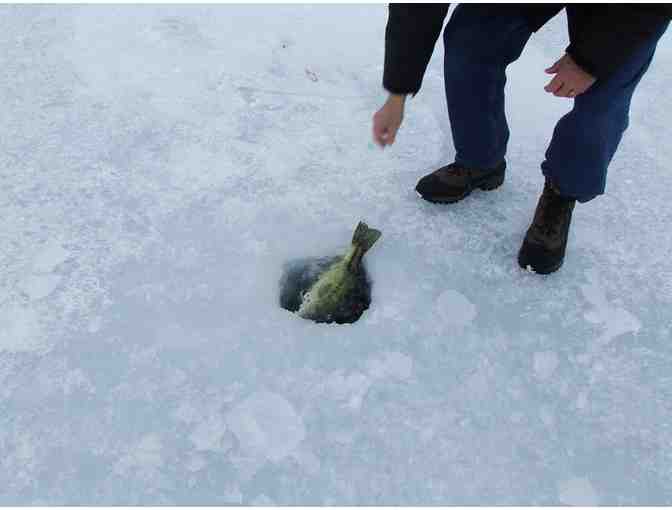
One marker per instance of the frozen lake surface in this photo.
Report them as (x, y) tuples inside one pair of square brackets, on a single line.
[(160, 164)]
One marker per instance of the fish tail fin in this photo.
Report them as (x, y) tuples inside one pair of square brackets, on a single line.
[(364, 237)]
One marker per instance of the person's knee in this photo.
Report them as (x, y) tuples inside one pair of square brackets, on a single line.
[(594, 119)]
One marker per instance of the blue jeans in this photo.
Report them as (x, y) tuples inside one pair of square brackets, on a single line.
[(479, 45)]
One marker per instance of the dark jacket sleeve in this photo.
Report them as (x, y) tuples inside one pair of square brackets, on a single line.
[(603, 36), (410, 36)]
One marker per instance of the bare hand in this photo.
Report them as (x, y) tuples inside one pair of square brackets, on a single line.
[(570, 80), (387, 120)]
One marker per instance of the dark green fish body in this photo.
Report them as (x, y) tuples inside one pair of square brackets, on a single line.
[(329, 296)]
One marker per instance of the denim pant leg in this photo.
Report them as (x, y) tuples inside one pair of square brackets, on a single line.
[(480, 42), (585, 140)]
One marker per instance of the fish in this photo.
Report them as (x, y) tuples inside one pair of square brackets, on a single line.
[(336, 295)]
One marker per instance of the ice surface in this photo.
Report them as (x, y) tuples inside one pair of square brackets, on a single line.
[(577, 492), (161, 163), (20, 330), (545, 364), (38, 287), (267, 425), (208, 435), (50, 257), (455, 308)]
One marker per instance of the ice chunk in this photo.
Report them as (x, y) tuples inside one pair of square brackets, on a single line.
[(454, 308), (40, 286), (263, 500), (343, 387), (77, 380), (195, 464), (267, 425), (232, 494), (50, 257), (616, 320), (307, 460), (547, 416), (209, 433), (145, 457), (20, 330)]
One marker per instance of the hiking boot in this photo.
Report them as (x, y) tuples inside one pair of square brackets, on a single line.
[(544, 246), (454, 182)]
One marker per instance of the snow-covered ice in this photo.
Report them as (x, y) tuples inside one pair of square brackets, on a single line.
[(160, 163)]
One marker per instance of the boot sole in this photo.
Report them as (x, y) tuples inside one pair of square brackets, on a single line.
[(490, 183), (540, 269)]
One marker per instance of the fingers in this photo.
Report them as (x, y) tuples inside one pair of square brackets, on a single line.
[(378, 137), (567, 92), (554, 68), (570, 80), (554, 85), (378, 131), (384, 131), (383, 136), (562, 91), (558, 65), (387, 120), (387, 138), (560, 88)]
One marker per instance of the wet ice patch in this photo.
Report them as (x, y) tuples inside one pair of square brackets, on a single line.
[(267, 425), (577, 492)]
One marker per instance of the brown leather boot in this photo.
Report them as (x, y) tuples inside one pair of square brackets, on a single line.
[(454, 182), (544, 246)]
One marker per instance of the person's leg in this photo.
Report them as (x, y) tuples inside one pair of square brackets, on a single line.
[(585, 140), (583, 143), (480, 42)]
